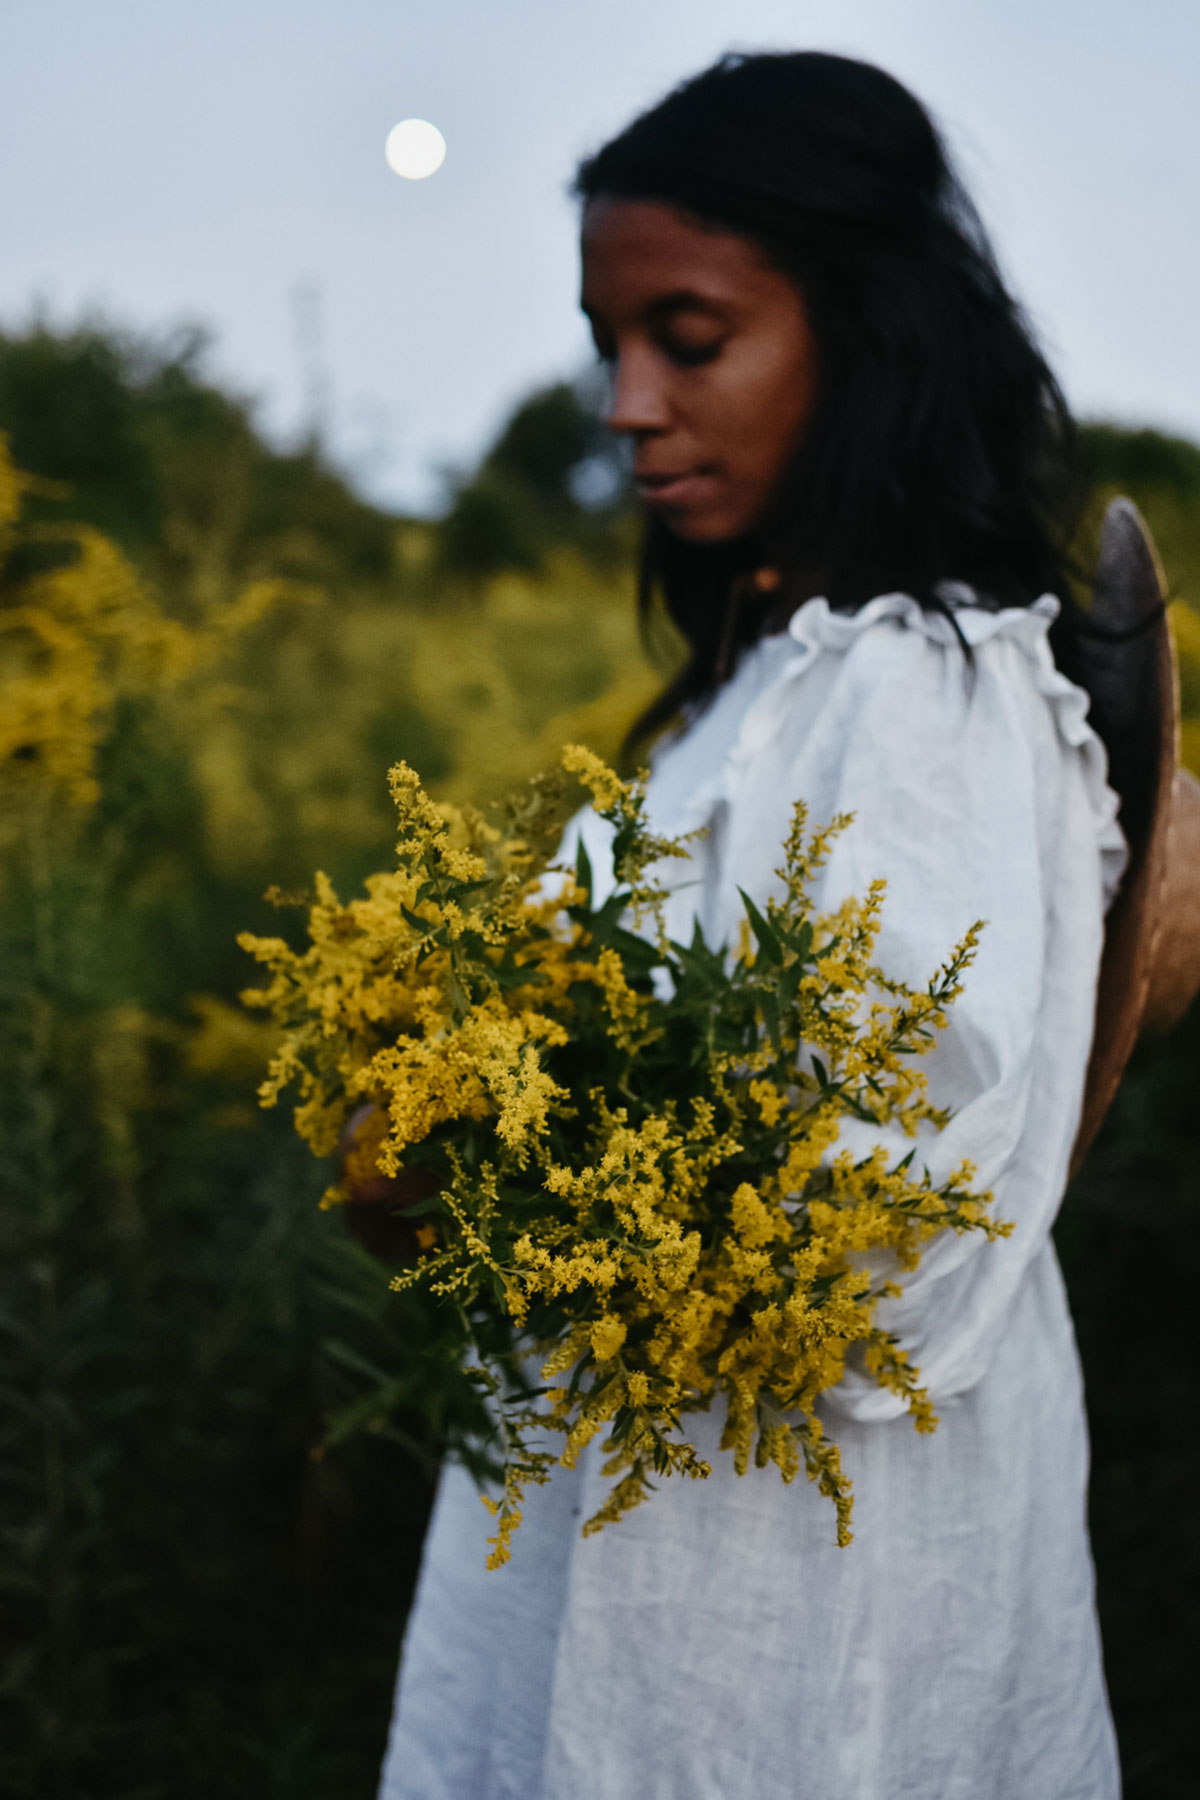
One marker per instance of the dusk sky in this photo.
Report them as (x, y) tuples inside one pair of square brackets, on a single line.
[(225, 164)]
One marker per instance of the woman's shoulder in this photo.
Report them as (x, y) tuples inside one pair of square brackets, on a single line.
[(888, 675), (893, 638), (882, 702)]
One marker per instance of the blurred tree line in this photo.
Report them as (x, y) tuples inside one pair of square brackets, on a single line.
[(210, 652)]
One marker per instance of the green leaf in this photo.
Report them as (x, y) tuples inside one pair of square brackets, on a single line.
[(770, 948), (585, 1362), (508, 973), (583, 869), (622, 1421), (770, 1012), (623, 839)]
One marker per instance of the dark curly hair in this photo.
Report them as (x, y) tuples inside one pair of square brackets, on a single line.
[(941, 446)]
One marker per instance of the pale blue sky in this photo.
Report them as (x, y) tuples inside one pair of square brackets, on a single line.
[(168, 161)]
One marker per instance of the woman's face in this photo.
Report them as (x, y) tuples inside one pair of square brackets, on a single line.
[(714, 363)]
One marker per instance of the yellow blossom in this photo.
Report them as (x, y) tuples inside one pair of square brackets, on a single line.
[(606, 788), (650, 1194), (608, 1334)]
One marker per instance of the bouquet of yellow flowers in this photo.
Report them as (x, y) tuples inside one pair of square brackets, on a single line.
[(628, 1145)]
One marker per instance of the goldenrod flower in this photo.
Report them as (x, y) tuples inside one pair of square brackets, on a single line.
[(646, 1193)]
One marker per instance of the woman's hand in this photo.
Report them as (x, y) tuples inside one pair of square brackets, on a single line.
[(376, 1203)]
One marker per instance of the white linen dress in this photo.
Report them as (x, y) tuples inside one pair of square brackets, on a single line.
[(717, 1644)]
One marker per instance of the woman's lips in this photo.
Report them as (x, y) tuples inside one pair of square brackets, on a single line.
[(684, 487)]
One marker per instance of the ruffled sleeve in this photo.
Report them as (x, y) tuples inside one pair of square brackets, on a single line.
[(976, 795)]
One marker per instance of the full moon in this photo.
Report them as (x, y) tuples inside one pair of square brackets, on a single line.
[(414, 149)]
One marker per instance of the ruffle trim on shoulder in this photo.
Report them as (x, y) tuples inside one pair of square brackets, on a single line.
[(815, 628)]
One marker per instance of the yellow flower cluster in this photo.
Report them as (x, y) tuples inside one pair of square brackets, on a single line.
[(76, 628), (79, 631), (645, 1192)]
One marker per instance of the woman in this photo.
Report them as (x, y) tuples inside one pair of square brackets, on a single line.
[(857, 472)]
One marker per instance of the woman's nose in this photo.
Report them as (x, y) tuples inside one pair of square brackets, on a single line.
[(638, 403)]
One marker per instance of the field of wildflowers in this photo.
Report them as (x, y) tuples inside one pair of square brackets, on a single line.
[(210, 653)]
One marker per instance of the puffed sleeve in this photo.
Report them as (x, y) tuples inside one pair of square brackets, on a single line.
[(976, 795)]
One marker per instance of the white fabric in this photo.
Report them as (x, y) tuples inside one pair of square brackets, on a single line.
[(717, 1645)]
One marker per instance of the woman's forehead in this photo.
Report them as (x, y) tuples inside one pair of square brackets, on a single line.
[(639, 253)]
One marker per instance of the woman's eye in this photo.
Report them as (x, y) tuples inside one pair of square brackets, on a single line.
[(690, 355)]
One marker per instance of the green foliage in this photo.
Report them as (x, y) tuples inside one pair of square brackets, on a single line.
[(1129, 1241), (146, 449), (197, 1606), (527, 496), (546, 438), (1144, 460), (178, 1324), (1162, 475), (70, 408)]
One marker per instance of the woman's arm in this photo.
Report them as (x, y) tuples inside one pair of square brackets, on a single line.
[(970, 802)]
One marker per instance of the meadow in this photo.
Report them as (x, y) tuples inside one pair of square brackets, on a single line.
[(220, 1429)]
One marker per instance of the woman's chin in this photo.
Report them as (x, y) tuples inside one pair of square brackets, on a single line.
[(703, 527)]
